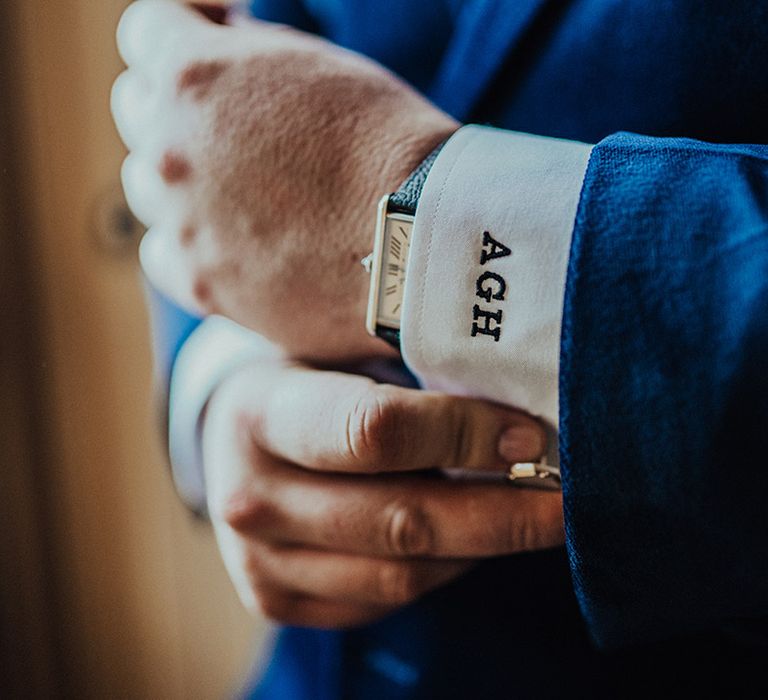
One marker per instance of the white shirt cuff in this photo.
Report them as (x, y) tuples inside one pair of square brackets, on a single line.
[(216, 349), (484, 292)]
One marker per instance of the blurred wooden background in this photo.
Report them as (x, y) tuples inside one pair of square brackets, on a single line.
[(109, 589)]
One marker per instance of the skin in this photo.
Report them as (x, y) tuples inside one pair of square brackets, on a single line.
[(247, 138), (257, 156), (322, 505)]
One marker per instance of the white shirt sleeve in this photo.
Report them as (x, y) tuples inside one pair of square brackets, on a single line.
[(486, 275), (523, 191), (216, 349)]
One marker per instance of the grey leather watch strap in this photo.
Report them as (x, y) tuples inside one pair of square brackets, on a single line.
[(406, 198)]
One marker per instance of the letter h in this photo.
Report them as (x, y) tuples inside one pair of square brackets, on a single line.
[(484, 328)]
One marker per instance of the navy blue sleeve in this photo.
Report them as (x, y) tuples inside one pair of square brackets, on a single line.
[(291, 12), (664, 389)]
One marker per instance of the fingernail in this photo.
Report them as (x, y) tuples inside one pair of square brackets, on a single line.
[(519, 443)]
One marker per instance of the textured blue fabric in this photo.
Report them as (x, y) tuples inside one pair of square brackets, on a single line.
[(664, 389), (408, 37), (304, 664), (663, 370), (589, 68), (171, 326)]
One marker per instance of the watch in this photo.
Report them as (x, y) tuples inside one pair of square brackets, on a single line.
[(388, 263)]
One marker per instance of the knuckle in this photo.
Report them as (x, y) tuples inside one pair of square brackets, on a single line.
[(137, 179), (398, 583), (118, 92), (127, 27), (275, 606), (248, 511), (266, 558), (266, 595), (372, 428), (253, 566), (522, 536), (242, 419), (407, 531), (225, 408), (129, 171), (459, 446), (539, 526)]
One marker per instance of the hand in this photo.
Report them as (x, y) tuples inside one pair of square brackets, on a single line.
[(321, 517), (258, 154)]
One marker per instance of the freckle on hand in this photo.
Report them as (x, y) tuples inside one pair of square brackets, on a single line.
[(187, 236), (175, 168), (203, 295), (199, 77)]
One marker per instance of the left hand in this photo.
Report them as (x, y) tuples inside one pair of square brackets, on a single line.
[(319, 502), (258, 154)]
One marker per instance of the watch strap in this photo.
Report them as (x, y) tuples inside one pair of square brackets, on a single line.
[(405, 201), (407, 196), (391, 335)]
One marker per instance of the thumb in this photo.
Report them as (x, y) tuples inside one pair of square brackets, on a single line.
[(419, 430), (334, 422)]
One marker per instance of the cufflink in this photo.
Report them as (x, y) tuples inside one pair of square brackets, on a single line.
[(534, 474)]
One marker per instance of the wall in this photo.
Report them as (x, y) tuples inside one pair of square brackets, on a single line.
[(132, 599)]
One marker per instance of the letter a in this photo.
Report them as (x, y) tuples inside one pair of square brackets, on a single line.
[(498, 250)]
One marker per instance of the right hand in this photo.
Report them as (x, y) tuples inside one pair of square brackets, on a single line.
[(320, 514), (258, 156)]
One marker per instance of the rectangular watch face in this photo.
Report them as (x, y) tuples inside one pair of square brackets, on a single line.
[(395, 244)]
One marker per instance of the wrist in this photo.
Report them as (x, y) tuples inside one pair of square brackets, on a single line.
[(387, 263), (405, 143), (378, 165)]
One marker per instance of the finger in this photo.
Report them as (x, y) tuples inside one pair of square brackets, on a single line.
[(305, 611), (149, 30), (130, 102), (333, 422), (168, 267), (349, 578), (144, 189), (409, 516)]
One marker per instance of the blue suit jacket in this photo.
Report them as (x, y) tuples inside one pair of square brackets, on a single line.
[(664, 357)]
